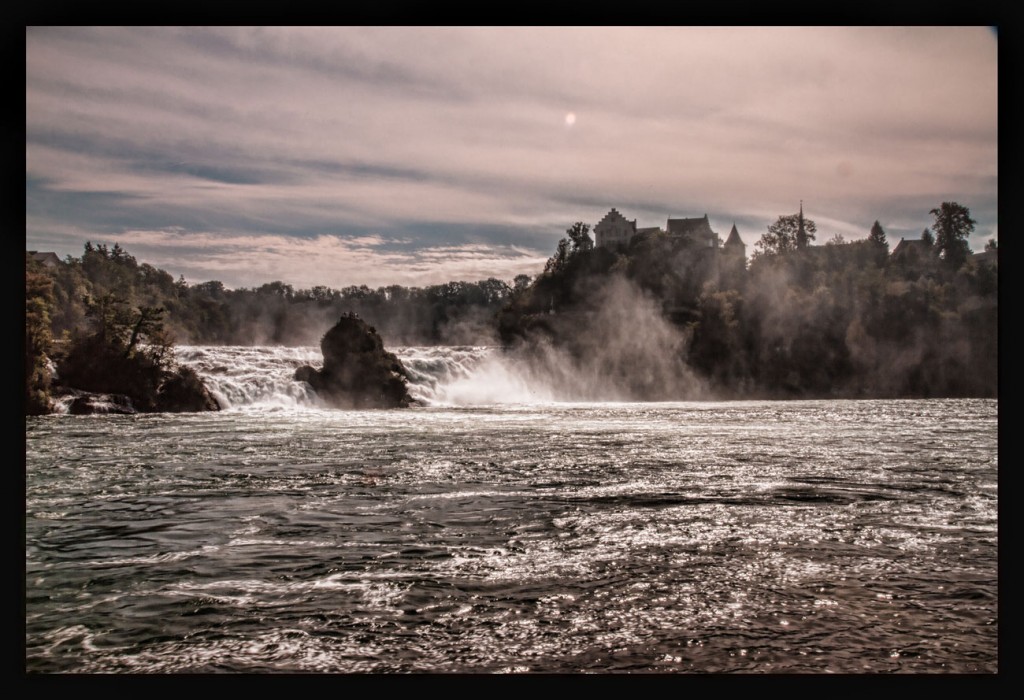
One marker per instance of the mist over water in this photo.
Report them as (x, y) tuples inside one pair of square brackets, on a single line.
[(448, 376), (620, 349)]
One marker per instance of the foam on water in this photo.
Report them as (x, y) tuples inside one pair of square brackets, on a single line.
[(241, 377), (253, 376)]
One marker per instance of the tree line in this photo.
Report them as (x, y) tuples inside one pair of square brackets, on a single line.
[(105, 315), (840, 319), (209, 313)]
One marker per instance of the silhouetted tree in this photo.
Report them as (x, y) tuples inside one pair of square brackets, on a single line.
[(580, 237), (878, 243), (927, 236), (953, 224), (992, 244), (877, 236), (276, 288), (557, 262), (782, 235), (577, 241)]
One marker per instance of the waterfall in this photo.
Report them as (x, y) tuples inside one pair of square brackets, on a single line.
[(446, 375), (247, 376)]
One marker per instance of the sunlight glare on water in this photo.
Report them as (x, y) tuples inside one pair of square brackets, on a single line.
[(510, 537)]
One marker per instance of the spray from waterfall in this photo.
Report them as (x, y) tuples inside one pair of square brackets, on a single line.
[(624, 351)]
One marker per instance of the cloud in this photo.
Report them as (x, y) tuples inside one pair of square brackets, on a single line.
[(434, 132), (249, 261)]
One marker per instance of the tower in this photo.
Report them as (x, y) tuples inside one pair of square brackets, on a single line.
[(734, 257), (734, 245), (801, 234)]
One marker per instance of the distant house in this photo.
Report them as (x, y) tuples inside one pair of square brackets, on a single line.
[(913, 251), (706, 251), (46, 259), (987, 257), (696, 247), (697, 231), (614, 229)]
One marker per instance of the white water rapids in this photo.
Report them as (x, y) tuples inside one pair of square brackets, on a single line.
[(263, 376)]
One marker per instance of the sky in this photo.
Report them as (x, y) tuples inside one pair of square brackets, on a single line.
[(343, 156)]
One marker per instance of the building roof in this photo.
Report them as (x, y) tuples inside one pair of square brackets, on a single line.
[(989, 257), (49, 259), (734, 238), (695, 228), (912, 247), (612, 216)]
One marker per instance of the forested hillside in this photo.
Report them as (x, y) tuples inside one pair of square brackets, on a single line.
[(801, 320)]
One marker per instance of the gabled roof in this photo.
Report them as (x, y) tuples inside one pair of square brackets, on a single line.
[(696, 228), (611, 216), (49, 259), (914, 246)]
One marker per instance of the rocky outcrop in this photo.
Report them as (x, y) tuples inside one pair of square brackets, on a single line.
[(358, 372), (183, 392), (149, 384), (84, 403)]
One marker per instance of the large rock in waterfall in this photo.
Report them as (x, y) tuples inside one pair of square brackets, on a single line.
[(358, 372), (183, 391)]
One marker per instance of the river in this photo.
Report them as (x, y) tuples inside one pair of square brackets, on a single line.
[(500, 528)]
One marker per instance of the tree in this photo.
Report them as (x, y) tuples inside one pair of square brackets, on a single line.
[(992, 244), (578, 241), (39, 302), (495, 291), (556, 263), (213, 288), (128, 351), (580, 237), (277, 288), (784, 235), (878, 244), (150, 324), (877, 236), (953, 224), (927, 236)]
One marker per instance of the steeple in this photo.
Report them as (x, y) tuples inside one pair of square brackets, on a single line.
[(734, 238), (801, 234)]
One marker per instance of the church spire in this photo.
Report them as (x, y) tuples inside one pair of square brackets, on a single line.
[(801, 234)]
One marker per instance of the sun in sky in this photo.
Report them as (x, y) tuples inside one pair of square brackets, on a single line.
[(452, 165)]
